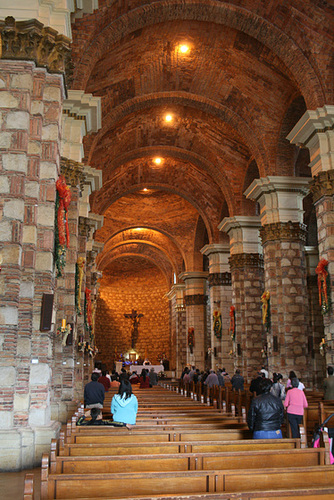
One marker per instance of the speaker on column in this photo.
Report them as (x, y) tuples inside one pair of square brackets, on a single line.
[(46, 312)]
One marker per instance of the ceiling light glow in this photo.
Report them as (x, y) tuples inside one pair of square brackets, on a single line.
[(157, 161), (168, 118), (184, 49)]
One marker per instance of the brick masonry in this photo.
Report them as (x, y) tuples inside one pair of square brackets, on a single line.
[(145, 293)]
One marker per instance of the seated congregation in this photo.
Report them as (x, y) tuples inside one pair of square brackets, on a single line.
[(187, 438)]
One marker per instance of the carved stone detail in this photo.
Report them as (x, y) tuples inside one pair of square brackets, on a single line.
[(195, 300), (31, 41), (219, 279), (73, 172), (242, 260), (322, 185), (279, 231), (84, 227)]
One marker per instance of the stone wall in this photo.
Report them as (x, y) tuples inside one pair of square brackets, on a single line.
[(119, 294)]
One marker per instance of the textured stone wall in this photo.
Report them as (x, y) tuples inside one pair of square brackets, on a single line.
[(285, 278), (220, 292), (324, 211), (144, 292), (247, 285), (30, 102)]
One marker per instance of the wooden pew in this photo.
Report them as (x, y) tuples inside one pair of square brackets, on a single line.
[(143, 448), (66, 486), (189, 461), (112, 435)]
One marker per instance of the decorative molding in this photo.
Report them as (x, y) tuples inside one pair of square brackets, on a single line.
[(32, 41), (322, 185), (283, 231), (219, 279), (86, 227), (242, 260), (195, 300), (73, 172)]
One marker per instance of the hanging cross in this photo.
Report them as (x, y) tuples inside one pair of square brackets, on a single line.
[(135, 318)]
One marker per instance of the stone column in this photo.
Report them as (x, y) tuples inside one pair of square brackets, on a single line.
[(220, 295), (316, 324), (315, 131), (178, 328), (65, 354), (283, 238), (246, 265), (30, 101), (195, 302)]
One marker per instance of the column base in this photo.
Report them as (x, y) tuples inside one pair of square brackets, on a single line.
[(23, 448), (61, 410)]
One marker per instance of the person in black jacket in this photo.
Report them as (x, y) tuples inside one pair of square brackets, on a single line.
[(94, 393), (266, 414)]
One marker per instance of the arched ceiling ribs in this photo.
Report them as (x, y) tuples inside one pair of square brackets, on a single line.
[(151, 233), (174, 98), (109, 191), (121, 182), (271, 36), (135, 251), (164, 245)]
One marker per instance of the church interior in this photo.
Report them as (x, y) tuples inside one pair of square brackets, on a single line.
[(167, 184)]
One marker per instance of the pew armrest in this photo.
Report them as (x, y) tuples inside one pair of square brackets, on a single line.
[(28, 487)]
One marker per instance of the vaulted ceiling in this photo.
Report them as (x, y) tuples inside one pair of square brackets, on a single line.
[(250, 70)]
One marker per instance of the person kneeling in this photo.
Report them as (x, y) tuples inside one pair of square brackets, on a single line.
[(96, 419), (266, 414)]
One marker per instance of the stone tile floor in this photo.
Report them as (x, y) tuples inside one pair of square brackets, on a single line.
[(12, 484)]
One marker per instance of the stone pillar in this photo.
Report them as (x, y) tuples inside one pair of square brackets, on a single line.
[(195, 302), (178, 328), (220, 295), (316, 324), (315, 131), (30, 101), (246, 263), (283, 238)]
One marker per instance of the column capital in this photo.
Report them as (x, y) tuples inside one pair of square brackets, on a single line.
[(315, 131), (218, 255), (243, 232), (177, 292), (244, 260), (322, 185), (283, 231), (73, 172), (32, 41), (195, 282), (194, 276), (280, 198)]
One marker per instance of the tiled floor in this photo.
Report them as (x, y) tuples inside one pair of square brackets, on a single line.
[(12, 484)]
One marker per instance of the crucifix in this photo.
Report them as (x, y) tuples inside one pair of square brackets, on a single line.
[(135, 318)]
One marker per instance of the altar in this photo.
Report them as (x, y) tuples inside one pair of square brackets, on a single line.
[(138, 368)]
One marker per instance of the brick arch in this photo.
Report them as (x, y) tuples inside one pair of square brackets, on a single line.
[(220, 183), (159, 231), (157, 238), (144, 250), (188, 187), (217, 110), (280, 43)]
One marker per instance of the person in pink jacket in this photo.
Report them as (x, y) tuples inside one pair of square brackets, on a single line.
[(295, 402)]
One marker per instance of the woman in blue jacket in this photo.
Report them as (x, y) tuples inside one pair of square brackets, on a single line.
[(124, 405)]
